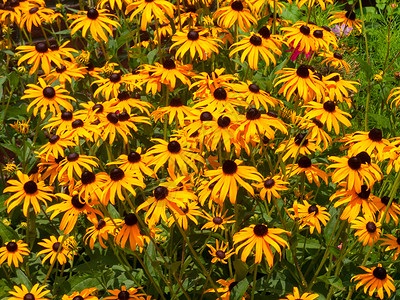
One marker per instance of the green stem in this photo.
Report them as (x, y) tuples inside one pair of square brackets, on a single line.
[(253, 288)]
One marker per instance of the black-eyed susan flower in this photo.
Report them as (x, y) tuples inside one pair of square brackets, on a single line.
[(217, 219), (205, 192), (301, 80), (222, 130), (219, 253), (235, 11), (109, 87), (375, 279), (204, 82), (328, 114), (175, 153), (392, 212), (86, 294), (371, 142), (135, 161), (126, 102), (34, 16), (251, 93), (368, 230), (111, 125), (311, 171), (395, 94), (176, 111), (125, 294), (117, 180), (72, 207), (225, 290), (113, 3), (196, 41), (271, 186), (56, 146), (309, 4), (346, 17), (299, 36), (90, 186), (229, 175), (355, 171), (298, 145), (22, 293), (316, 131), (53, 251), (166, 195), (296, 295), (355, 202), (129, 231), (46, 97), (38, 54), (313, 215), (100, 230), (13, 251), (261, 238), (338, 88), (335, 60), (392, 243), (94, 20), (66, 73), (159, 9), (183, 214), (85, 128), (73, 163), (252, 47), (27, 191)]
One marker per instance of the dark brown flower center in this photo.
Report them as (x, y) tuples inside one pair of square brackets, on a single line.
[(30, 187), (112, 118), (385, 200), (299, 138), (54, 139), (49, 92), (66, 115), (364, 157), (123, 96), (350, 15), (73, 157), (88, 177), (92, 14), (371, 227), (232, 285), (379, 273), (265, 140), (77, 123), (29, 296), (98, 108), (176, 102), (220, 254), (169, 64), (220, 94), (254, 88), (131, 219), (253, 114), (337, 55), (354, 163), (260, 230), (255, 40), (206, 116), (318, 34), (61, 70), (160, 192), (134, 157), (56, 245), (269, 183), (237, 5), (318, 123), (115, 77), (124, 116), (123, 295), (304, 162), (313, 209), (375, 135), (217, 220), (101, 224), (326, 28), (229, 167), (12, 247), (185, 209), (78, 298), (223, 122), (41, 47), (365, 192), (174, 147), (329, 106), (193, 35), (304, 29), (117, 174), (144, 36), (303, 71), (78, 202), (264, 32)]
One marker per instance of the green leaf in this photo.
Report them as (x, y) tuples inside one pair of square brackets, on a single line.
[(13, 79), (365, 67), (334, 250), (239, 290), (152, 54), (7, 233), (332, 281), (240, 268), (2, 80), (23, 279)]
